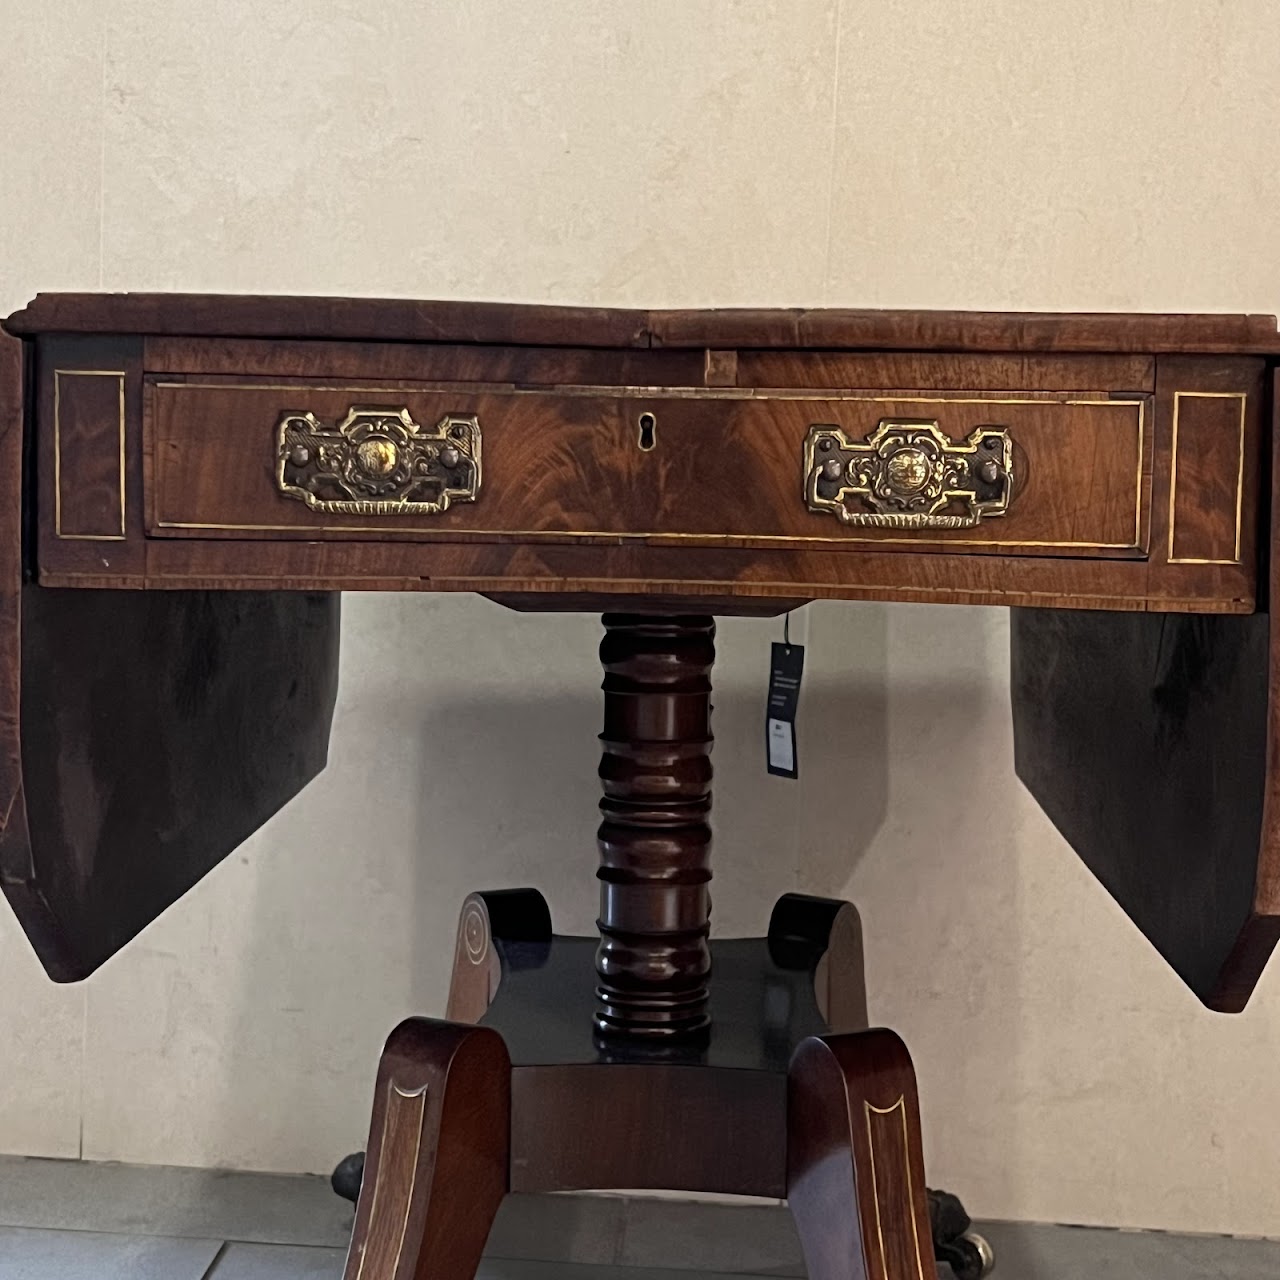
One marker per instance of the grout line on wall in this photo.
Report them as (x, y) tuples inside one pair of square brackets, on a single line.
[(831, 162)]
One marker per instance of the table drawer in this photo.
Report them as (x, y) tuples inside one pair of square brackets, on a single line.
[(1036, 472)]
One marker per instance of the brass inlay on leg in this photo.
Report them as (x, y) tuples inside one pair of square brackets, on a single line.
[(398, 1154), (899, 1107), (475, 933)]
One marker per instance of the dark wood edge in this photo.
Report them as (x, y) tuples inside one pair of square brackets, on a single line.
[(986, 331), (565, 1120), (1261, 933), (16, 871), (486, 922), (602, 602), (800, 929), (1242, 970), (356, 319), (11, 435), (824, 935), (404, 320)]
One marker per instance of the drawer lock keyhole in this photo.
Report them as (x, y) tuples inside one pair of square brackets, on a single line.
[(648, 431)]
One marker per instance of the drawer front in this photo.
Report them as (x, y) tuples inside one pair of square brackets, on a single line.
[(1066, 474)]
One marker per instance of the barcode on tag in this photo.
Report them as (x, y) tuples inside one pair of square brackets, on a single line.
[(782, 746)]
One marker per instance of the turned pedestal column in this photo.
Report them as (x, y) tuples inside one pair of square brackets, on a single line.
[(648, 1070), (655, 841)]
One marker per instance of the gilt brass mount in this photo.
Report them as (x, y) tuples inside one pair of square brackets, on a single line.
[(378, 462), (907, 474)]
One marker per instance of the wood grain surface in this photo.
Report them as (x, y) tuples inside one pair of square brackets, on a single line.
[(1144, 739), (140, 741), (397, 320), (572, 513), (683, 579), (16, 869), (1152, 744), (706, 514), (722, 469), (560, 366), (89, 427), (158, 733)]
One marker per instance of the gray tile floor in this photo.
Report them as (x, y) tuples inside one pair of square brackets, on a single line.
[(61, 1220)]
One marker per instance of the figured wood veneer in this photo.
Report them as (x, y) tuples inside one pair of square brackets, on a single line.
[(402, 320), (722, 470), (1141, 456)]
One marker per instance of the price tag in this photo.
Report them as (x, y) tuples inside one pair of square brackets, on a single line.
[(785, 669)]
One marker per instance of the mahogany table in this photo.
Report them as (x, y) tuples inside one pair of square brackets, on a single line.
[(191, 482)]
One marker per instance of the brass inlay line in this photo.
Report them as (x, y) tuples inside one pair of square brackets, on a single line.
[(447, 535), (1139, 602), (669, 393), (714, 586), (901, 1107), (1178, 397), (419, 1096), (733, 393), (1137, 497), (58, 375)]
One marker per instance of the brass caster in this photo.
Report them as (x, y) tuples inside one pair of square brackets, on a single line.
[(970, 1256)]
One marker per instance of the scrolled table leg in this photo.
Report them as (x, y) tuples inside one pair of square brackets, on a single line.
[(438, 1156), (855, 1177)]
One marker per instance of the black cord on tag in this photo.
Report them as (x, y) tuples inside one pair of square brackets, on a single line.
[(786, 631)]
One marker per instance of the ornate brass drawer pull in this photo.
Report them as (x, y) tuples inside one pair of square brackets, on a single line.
[(908, 475), (378, 462)]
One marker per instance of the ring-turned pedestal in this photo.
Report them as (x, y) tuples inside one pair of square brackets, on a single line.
[(649, 1057)]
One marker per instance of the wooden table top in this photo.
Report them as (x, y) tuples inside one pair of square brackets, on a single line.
[(501, 323), (659, 455), (222, 467)]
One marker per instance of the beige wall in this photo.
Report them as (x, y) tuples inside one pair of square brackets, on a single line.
[(903, 153)]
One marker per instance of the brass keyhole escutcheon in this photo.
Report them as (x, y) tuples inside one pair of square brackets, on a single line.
[(648, 432)]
